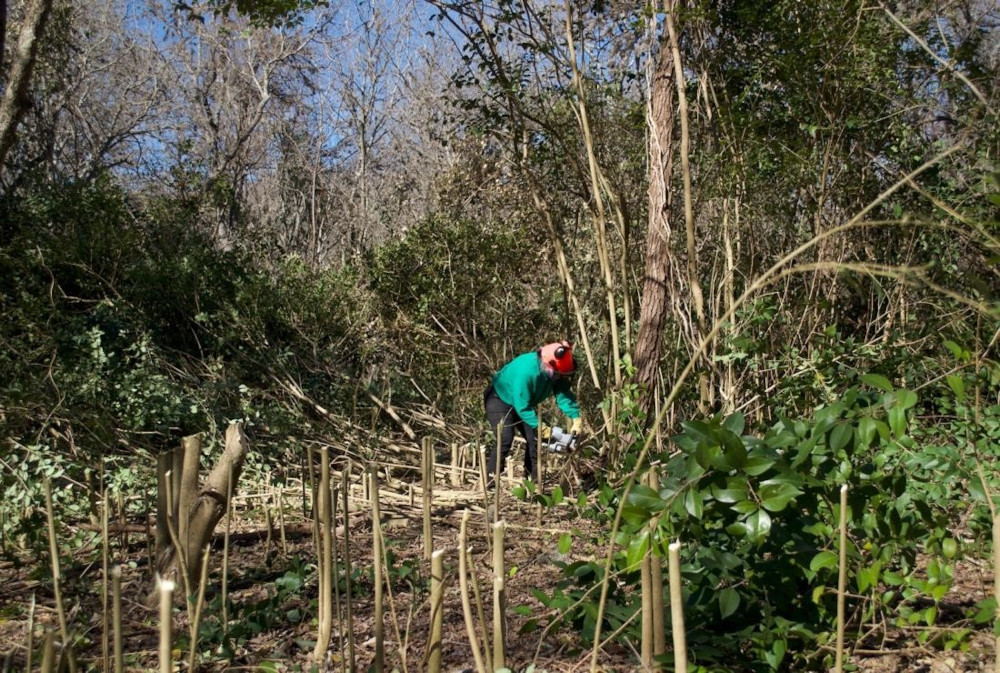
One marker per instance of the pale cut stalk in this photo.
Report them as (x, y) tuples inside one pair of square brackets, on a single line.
[(499, 597), (481, 464), (188, 495), (335, 575), (196, 617), (838, 665), (455, 474), (322, 500), (281, 521), (116, 608), (656, 576), (677, 608), (345, 488), (49, 652), (122, 519), (996, 554), (269, 521), (996, 585), (225, 555), (463, 583), (659, 628), (481, 613), (54, 554), (166, 627), (312, 493), (539, 470), (496, 475), (105, 588), (178, 554), (428, 493), (29, 639), (379, 664), (164, 461), (646, 644), (437, 612)]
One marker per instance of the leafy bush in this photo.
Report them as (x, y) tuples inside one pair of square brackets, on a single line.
[(758, 518)]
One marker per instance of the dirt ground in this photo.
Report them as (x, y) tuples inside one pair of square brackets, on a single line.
[(531, 549)]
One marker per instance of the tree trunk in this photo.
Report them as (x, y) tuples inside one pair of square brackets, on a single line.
[(15, 97), (654, 304), (204, 507), (3, 26)]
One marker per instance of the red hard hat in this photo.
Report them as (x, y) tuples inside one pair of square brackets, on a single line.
[(559, 356)]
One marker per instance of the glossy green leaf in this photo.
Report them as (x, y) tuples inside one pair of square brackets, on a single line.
[(776, 654), (824, 559), (637, 549), (868, 577), (565, 543), (759, 524), (957, 351), (897, 421), (645, 498), (775, 497), (735, 490), (758, 465), (635, 516), (976, 489), (877, 381), (699, 431), (694, 503), (841, 436), (738, 529), (866, 431), (906, 398), (735, 451), (707, 455), (744, 507), (729, 601), (957, 385), (735, 423)]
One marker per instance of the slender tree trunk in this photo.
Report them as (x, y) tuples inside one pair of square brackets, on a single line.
[(655, 300), (15, 101), (600, 228)]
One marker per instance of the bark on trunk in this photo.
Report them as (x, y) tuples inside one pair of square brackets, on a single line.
[(15, 98), (657, 283)]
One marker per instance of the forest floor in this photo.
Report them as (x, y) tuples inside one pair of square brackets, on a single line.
[(272, 584)]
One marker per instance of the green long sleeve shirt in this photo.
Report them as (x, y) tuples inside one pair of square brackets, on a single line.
[(523, 384)]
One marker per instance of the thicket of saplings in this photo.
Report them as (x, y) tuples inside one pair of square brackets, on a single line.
[(911, 433)]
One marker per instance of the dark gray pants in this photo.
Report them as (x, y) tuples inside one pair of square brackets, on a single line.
[(504, 420)]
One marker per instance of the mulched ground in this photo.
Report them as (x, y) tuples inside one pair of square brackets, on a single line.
[(531, 550)]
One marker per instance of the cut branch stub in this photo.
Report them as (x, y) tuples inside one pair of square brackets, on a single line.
[(207, 507)]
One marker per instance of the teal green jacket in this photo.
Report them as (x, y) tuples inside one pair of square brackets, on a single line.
[(523, 384)]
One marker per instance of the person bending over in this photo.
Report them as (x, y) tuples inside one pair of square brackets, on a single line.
[(520, 386)]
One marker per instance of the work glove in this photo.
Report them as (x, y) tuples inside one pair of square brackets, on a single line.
[(544, 431), (576, 427)]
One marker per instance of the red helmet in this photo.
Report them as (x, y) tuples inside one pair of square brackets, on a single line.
[(559, 357)]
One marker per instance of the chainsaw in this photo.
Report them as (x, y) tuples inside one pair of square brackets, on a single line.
[(560, 441)]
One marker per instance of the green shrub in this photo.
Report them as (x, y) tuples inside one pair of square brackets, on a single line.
[(758, 519)]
